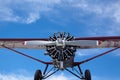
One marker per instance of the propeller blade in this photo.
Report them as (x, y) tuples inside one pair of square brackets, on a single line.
[(82, 43), (40, 43)]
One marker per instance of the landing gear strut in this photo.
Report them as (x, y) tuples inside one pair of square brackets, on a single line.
[(47, 73), (79, 74)]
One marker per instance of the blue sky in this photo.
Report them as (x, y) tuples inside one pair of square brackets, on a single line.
[(42, 18)]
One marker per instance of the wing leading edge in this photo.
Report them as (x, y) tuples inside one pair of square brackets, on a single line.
[(100, 42), (19, 43)]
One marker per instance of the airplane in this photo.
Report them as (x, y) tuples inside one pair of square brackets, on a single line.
[(61, 47)]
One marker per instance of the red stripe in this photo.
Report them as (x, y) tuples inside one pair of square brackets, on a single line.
[(23, 39), (99, 38)]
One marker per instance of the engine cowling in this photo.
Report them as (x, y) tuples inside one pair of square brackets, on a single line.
[(60, 51)]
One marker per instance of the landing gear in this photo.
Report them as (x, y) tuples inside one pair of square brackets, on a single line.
[(79, 74), (38, 75), (87, 75), (76, 71)]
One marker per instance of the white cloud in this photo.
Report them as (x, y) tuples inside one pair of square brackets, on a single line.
[(105, 78), (6, 14), (84, 53), (25, 11), (118, 54), (106, 19), (88, 52), (54, 77), (14, 77), (109, 10), (112, 30), (32, 18), (25, 77), (28, 11), (95, 14), (60, 77)]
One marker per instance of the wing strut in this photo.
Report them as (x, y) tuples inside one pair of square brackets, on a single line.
[(84, 61), (26, 55)]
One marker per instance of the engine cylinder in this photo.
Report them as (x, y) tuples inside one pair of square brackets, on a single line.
[(60, 51)]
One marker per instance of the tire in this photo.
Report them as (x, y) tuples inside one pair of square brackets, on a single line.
[(38, 75), (87, 75)]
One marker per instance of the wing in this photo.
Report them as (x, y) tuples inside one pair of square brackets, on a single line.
[(41, 43), (96, 42), (20, 43)]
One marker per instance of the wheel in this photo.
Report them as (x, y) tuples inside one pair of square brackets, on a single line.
[(38, 75), (87, 75)]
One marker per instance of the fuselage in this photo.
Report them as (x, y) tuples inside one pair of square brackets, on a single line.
[(63, 64)]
